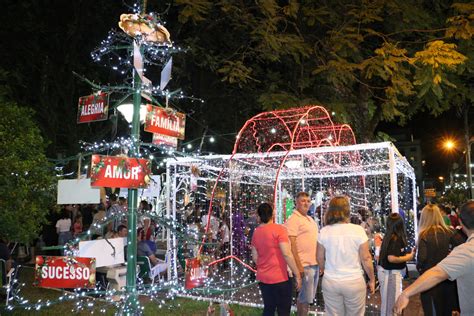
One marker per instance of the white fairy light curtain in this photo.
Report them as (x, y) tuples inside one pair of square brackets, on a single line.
[(276, 155)]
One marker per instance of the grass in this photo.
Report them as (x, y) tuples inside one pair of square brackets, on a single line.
[(177, 306)]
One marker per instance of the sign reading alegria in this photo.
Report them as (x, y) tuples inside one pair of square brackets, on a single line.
[(94, 107)]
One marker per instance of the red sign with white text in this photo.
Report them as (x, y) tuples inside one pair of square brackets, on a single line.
[(65, 272), (120, 172), (93, 108), (161, 121), (195, 273), (169, 141)]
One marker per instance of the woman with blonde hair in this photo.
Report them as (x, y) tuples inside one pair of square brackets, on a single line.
[(343, 249), (435, 242)]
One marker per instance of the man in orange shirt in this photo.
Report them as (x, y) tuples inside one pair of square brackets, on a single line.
[(303, 234)]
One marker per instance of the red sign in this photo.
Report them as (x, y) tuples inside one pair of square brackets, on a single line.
[(120, 172), (93, 108), (159, 139), (65, 272), (430, 192), (196, 273), (161, 121)]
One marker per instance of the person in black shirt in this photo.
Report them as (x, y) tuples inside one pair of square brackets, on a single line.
[(392, 262), (87, 212), (5, 255), (435, 242), (4, 251)]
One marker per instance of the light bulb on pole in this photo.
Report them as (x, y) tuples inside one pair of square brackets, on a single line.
[(126, 109), (449, 145)]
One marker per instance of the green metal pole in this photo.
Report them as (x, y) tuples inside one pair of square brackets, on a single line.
[(131, 286), (132, 297)]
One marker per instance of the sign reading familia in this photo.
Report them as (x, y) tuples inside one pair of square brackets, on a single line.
[(120, 172), (93, 107), (160, 121), (65, 272)]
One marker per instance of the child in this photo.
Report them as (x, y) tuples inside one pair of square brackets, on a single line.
[(392, 262), (77, 225), (224, 234)]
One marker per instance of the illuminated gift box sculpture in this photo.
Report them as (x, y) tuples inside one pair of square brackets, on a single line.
[(276, 155)]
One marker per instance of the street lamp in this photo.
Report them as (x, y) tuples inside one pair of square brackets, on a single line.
[(126, 110), (449, 145)]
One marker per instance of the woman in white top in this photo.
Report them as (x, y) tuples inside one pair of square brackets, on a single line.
[(63, 228), (343, 249)]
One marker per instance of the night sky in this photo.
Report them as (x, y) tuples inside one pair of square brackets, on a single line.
[(18, 36), (432, 131)]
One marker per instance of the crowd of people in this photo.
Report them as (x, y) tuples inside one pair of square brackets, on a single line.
[(342, 254), (349, 254), (109, 220)]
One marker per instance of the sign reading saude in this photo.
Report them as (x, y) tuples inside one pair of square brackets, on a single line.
[(196, 273), (160, 139), (161, 121)]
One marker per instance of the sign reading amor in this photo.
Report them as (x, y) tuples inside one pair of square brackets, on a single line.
[(64, 272), (160, 121), (93, 107), (120, 172)]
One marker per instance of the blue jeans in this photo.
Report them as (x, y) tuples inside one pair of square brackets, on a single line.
[(63, 238), (310, 285)]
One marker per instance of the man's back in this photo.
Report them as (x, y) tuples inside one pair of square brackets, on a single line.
[(459, 265)]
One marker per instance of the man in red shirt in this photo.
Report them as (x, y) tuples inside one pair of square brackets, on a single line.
[(271, 252)]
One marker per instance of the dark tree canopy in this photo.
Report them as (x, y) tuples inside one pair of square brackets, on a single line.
[(368, 61), (26, 176)]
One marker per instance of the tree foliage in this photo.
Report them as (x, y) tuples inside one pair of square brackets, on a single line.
[(369, 61), (26, 177), (455, 196)]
